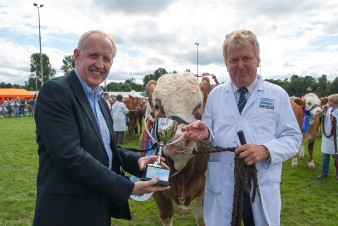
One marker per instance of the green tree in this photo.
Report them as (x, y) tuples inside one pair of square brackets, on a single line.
[(9, 85), (309, 85), (158, 73), (297, 87), (333, 87), (126, 86), (285, 84), (48, 71), (68, 64), (322, 86)]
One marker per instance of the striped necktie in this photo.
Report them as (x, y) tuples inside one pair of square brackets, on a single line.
[(242, 100)]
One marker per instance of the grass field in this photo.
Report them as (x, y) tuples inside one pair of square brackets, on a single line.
[(305, 201)]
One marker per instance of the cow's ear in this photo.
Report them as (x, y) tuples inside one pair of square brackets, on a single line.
[(298, 101), (324, 100)]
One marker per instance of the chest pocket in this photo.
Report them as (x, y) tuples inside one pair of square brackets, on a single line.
[(263, 121)]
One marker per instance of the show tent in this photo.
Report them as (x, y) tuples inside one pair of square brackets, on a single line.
[(15, 93)]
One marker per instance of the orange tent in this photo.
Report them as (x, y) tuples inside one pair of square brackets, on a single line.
[(13, 92)]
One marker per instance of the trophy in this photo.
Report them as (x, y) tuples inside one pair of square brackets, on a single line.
[(162, 134)]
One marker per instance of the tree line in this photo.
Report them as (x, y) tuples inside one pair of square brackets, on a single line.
[(295, 86)]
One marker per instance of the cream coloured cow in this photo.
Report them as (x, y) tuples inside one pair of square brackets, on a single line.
[(308, 112), (179, 96)]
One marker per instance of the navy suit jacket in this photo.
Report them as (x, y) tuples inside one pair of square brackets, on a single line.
[(74, 184)]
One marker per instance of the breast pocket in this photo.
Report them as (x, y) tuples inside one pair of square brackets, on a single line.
[(263, 125)]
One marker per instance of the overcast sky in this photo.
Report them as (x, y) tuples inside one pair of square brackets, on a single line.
[(296, 37)]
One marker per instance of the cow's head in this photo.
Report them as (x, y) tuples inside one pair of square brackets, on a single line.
[(178, 96), (311, 103), (133, 102)]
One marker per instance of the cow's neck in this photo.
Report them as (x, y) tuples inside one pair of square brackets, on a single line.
[(313, 118)]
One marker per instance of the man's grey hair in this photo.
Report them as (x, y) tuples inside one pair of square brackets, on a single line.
[(80, 44)]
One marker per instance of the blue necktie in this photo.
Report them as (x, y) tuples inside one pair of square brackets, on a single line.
[(242, 101)]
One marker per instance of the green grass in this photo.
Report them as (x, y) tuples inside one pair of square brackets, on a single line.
[(305, 201)]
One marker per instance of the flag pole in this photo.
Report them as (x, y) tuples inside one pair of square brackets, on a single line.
[(36, 82)]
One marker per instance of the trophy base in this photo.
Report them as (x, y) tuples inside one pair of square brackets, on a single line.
[(153, 171)]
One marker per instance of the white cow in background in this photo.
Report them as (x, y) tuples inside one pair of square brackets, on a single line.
[(308, 112)]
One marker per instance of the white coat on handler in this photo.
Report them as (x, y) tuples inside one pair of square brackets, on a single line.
[(267, 119), (328, 143)]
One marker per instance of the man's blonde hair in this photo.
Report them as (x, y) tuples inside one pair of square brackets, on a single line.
[(333, 98), (238, 39)]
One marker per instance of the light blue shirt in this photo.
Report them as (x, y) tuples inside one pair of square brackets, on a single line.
[(93, 98)]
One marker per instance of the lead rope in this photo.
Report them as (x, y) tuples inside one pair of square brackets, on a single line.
[(245, 179)]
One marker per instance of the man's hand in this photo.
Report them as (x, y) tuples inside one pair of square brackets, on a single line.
[(196, 131), (143, 161), (252, 153), (143, 187)]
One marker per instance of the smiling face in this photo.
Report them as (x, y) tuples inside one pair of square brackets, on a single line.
[(242, 65), (241, 57), (94, 59)]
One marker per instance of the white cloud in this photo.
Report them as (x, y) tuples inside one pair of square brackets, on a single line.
[(296, 37)]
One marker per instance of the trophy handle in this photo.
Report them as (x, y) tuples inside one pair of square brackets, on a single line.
[(149, 117)]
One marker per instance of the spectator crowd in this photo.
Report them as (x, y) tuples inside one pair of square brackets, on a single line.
[(16, 107)]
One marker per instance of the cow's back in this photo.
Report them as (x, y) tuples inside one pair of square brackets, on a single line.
[(299, 113)]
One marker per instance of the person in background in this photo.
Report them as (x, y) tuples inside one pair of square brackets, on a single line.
[(120, 111), (30, 106), (263, 112), (81, 177), (330, 136), (106, 98), (23, 105), (9, 107), (3, 110), (16, 106)]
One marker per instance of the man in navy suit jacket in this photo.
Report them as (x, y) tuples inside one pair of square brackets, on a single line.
[(80, 178)]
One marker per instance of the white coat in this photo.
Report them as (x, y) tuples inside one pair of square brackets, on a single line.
[(119, 110), (327, 143), (267, 119)]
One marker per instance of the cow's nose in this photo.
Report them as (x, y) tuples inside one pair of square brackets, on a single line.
[(319, 111)]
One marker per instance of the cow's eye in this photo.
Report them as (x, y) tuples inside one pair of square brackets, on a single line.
[(157, 107)]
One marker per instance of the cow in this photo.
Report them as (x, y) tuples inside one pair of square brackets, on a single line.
[(179, 96), (308, 112), (135, 115)]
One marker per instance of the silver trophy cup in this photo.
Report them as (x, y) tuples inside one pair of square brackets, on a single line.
[(162, 133)]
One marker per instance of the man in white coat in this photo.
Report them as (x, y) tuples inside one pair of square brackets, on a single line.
[(330, 136), (269, 125)]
